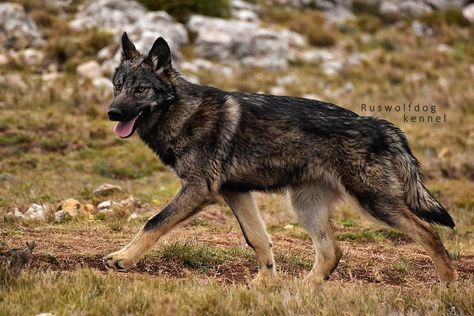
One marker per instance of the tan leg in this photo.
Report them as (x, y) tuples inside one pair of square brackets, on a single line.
[(424, 234), (311, 204), (245, 209), (188, 202)]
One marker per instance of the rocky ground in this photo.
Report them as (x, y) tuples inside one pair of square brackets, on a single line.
[(68, 184)]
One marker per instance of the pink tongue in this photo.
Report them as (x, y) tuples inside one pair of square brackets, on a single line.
[(125, 129)]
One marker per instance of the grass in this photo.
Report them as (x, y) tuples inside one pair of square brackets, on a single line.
[(92, 293)]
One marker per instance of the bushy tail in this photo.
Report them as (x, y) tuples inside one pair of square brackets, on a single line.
[(419, 199)]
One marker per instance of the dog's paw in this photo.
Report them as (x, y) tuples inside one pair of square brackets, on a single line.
[(264, 279), (118, 261)]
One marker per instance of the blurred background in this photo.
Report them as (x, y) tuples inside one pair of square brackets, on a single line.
[(57, 57)]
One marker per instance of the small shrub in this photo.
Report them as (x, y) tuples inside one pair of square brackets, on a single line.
[(364, 7), (445, 17), (182, 9), (312, 24), (369, 23)]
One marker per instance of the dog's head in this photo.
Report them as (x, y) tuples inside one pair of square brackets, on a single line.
[(141, 85)]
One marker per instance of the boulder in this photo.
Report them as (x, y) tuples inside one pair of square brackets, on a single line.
[(132, 217), (103, 83), (407, 8), (468, 13), (73, 207), (89, 70), (17, 30), (239, 41), (61, 216), (36, 212), (143, 27), (245, 11), (111, 14), (104, 205), (14, 214), (90, 209), (107, 189)]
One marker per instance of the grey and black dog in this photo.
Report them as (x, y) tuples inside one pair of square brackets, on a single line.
[(232, 143)]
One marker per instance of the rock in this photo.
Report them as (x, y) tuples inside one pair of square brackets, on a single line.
[(73, 207), (468, 13), (107, 189), (111, 14), (406, 8), (338, 15), (32, 57), (18, 31), (244, 11), (89, 70), (278, 90), (239, 41), (90, 209), (294, 39), (61, 216), (128, 202), (104, 205), (132, 217), (421, 29), (444, 152), (14, 214), (143, 27), (103, 83), (51, 76), (3, 60), (315, 56), (13, 80), (332, 67), (36, 212), (287, 80), (445, 4), (200, 64), (105, 53), (155, 24), (288, 227)]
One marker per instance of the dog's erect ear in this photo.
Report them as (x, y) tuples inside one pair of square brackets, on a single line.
[(128, 49), (160, 55)]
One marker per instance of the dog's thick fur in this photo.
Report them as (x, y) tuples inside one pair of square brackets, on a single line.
[(233, 143)]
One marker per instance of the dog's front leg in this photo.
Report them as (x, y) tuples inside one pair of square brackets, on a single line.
[(188, 202)]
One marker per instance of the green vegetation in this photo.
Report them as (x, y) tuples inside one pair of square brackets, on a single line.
[(182, 9)]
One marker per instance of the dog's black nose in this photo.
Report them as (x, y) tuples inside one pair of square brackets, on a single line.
[(115, 114)]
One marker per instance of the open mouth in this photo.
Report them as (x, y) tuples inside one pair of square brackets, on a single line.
[(125, 129)]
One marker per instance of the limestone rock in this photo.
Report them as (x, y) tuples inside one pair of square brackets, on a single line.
[(17, 30), (239, 41), (107, 189), (61, 216), (14, 214), (468, 13), (73, 207), (36, 212), (89, 70)]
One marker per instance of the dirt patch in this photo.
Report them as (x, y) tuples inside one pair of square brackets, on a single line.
[(63, 249)]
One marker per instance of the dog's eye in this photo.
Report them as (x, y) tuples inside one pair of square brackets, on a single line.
[(117, 86), (140, 89)]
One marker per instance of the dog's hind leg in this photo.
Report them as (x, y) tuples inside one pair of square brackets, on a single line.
[(394, 212), (246, 211), (311, 204)]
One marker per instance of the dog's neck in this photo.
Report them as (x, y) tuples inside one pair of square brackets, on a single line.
[(165, 124)]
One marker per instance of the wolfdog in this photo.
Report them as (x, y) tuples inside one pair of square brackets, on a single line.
[(231, 144)]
